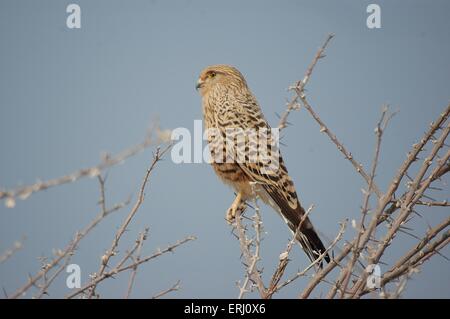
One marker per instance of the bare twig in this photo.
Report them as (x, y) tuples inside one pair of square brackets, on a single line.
[(175, 287), (411, 158), (290, 106), (367, 235), (102, 200), (315, 262), (284, 256), (24, 192), (48, 281), (299, 89), (18, 245), (121, 268), (294, 104), (346, 274), (418, 258), (252, 273), (112, 251), (415, 193), (406, 259), (251, 269), (142, 238), (444, 203), (365, 240), (323, 128), (32, 280)]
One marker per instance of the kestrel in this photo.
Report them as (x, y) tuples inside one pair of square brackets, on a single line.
[(228, 104)]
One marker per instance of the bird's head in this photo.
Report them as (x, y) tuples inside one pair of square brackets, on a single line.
[(221, 74)]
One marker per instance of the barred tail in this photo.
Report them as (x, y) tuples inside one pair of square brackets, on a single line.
[(307, 235)]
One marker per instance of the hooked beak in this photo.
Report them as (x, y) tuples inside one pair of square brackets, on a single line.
[(199, 84)]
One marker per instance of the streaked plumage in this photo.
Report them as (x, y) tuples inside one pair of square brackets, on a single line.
[(228, 103)]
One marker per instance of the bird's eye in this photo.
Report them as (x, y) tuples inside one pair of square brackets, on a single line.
[(212, 74)]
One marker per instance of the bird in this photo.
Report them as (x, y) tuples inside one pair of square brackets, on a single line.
[(228, 105)]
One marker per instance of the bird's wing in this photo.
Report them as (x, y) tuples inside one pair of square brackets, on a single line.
[(271, 173), (267, 167)]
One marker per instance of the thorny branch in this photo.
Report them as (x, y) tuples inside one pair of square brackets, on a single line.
[(175, 287), (368, 246), (142, 238), (347, 273), (406, 203), (132, 259), (250, 259), (317, 261), (67, 252), (284, 256), (18, 245), (120, 267)]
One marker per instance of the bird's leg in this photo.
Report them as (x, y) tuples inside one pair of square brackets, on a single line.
[(231, 212)]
